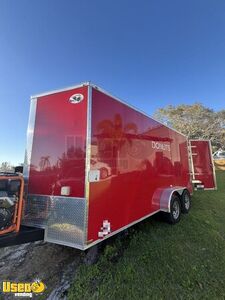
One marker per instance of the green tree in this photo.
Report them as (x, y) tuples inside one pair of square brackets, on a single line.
[(195, 121)]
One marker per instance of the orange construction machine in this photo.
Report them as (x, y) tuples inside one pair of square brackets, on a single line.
[(11, 202), (11, 206)]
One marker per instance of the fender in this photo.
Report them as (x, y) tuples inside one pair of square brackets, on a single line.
[(164, 196)]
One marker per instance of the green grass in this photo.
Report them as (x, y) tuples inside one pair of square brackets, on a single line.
[(160, 261)]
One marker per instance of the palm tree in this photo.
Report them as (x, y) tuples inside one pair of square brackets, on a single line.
[(45, 163), (118, 133)]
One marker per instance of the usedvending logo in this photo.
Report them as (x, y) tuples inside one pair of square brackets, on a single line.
[(23, 289), (76, 98)]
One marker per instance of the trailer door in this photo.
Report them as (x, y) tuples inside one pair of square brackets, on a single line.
[(203, 172)]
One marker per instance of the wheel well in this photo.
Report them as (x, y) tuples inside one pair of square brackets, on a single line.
[(166, 196)]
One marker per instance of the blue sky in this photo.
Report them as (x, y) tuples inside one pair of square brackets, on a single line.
[(149, 53)]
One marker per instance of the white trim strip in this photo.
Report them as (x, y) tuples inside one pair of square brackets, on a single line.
[(88, 159)]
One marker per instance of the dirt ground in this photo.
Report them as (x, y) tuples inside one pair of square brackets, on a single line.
[(55, 265)]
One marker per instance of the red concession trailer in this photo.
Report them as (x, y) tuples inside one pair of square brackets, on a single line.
[(95, 166)]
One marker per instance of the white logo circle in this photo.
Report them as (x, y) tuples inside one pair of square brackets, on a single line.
[(76, 98)]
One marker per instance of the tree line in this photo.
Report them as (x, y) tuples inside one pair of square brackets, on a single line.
[(196, 122)]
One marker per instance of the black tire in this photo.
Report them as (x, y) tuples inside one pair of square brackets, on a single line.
[(174, 215), (185, 202)]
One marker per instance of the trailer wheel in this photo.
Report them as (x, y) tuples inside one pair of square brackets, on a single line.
[(185, 202), (173, 216)]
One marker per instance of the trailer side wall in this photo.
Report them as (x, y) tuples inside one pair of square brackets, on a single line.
[(136, 156)]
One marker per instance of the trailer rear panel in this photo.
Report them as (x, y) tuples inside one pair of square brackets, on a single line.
[(56, 166)]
